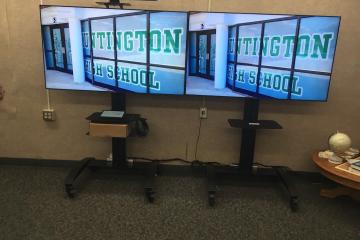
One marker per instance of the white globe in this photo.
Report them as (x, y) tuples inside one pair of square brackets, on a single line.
[(339, 142)]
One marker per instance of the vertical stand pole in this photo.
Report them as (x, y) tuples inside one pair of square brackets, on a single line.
[(118, 103), (251, 111)]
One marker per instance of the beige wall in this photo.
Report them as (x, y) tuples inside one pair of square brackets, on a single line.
[(173, 120)]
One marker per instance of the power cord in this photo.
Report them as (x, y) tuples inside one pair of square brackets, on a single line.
[(199, 131), (197, 139), (262, 165), (161, 160), (192, 163), (195, 162)]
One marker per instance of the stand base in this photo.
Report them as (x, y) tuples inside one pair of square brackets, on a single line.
[(73, 179), (279, 173)]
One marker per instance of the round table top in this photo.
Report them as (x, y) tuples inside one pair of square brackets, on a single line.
[(328, 169)]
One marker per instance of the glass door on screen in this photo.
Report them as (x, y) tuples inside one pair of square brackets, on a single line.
[(61, 47), (206, 54)]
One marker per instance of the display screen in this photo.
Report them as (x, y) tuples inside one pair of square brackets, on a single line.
[(188, 53)]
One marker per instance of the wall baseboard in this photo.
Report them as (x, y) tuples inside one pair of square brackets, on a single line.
[(36, 162)]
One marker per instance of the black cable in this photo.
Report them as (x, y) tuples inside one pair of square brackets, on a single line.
[(197, 140), (174, 160), (262, 165), (161, 160), (192, 163)]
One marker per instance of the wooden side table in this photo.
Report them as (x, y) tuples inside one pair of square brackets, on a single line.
[(349, 184)]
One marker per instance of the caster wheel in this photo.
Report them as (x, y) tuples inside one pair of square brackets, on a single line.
[(294, 205), (70, 192), (157, 171), (211, 199), (150, 195)]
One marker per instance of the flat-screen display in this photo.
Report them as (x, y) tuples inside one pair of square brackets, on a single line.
[(189, 53)]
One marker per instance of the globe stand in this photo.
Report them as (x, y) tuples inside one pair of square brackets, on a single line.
[(246, 171), (335, 159)]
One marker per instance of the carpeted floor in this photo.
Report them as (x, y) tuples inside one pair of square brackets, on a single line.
[(33, 205)]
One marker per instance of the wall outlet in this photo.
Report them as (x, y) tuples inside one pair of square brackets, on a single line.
[(48, 114), (203, 112)]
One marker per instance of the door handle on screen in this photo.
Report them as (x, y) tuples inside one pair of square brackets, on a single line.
[(63, 50), (207, 56)]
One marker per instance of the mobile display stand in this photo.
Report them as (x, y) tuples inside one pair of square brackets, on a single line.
[(119, 163), (244, 171)]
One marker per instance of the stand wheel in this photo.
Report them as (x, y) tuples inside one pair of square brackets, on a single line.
[(211, 199), (70, 191), (150, 195), (157, 170), (294, 205)]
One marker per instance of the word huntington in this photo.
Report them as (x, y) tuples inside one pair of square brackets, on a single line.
[(166, 40), (315, 46)]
